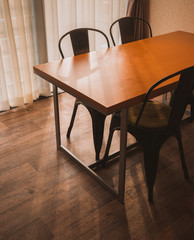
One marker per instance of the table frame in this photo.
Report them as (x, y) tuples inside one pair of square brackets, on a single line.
[(122, 160)]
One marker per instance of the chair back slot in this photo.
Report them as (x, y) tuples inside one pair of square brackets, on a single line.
[(131, 29), (80, 41)]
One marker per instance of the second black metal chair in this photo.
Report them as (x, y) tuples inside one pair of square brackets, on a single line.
[(152, 123), (80, 43), (131, 29)]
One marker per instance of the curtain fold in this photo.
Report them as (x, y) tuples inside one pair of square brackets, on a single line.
[(18, 84), (44, 88), (4, 104), (137, 8)]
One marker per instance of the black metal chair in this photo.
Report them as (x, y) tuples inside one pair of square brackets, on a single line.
[(131, 29), (151, 123), (80, 43)]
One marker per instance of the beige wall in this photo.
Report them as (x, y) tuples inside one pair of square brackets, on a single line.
[(171, 15)]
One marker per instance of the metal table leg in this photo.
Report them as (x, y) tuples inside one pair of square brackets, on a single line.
[(57, 120), (122, 160)]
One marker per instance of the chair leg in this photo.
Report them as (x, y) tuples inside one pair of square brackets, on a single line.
[(98, 129), (184, 166), (151, 150), (111, 131), (192, 110), (164, 98), (97, 124), (77, 102), (113, 126)]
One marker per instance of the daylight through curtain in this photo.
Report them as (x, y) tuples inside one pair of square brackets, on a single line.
[(18, 83), (22, 43), (64, 15)]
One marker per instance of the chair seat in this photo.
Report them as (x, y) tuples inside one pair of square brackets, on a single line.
[(155, 115)]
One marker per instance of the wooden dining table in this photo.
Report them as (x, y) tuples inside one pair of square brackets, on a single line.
[(111, 80)]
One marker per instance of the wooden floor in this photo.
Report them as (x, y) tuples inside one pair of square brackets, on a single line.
[(43, 195)]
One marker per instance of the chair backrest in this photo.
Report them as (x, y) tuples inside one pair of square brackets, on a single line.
[(131, 29), (80, 40), (180, 97)]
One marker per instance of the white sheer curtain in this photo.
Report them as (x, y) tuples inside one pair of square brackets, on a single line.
[(19, 49), (18, 83), (64, 15)]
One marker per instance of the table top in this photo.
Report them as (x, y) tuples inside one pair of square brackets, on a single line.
[(112, 79)]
